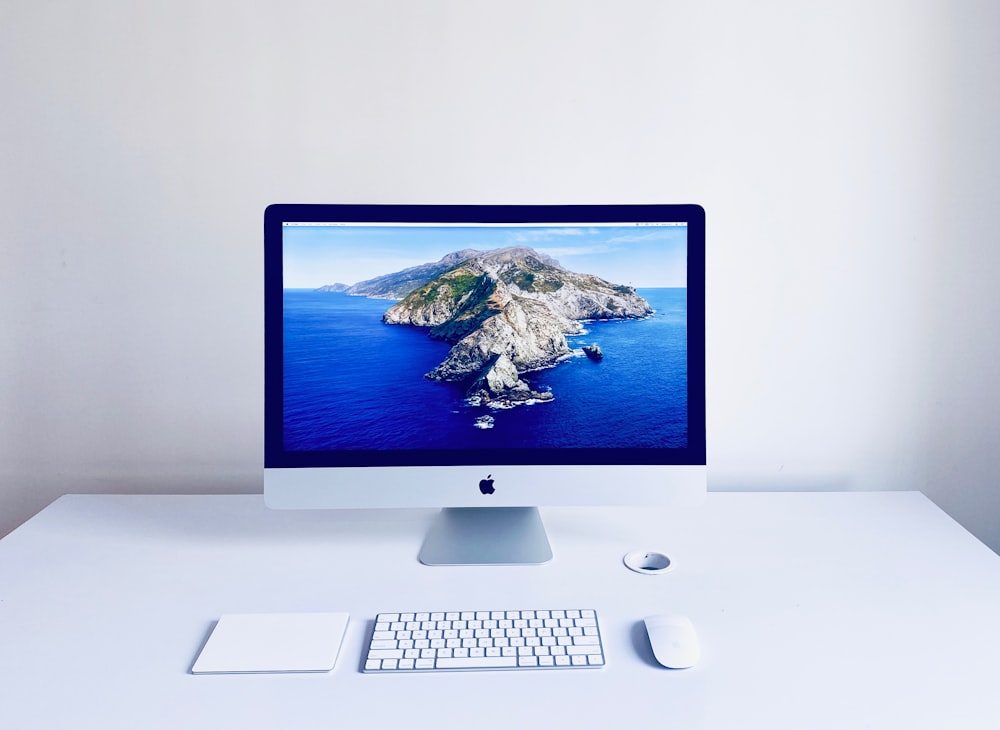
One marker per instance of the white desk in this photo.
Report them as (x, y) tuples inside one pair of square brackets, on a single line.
[(856, 610)]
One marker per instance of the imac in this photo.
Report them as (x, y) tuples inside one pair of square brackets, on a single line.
[(485, 360)]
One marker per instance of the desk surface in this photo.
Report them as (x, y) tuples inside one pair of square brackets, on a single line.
[(814, 611)]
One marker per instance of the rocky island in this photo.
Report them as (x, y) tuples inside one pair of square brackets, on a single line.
[(505, 313)]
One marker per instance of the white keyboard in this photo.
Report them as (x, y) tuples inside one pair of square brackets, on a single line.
[(462, 640)]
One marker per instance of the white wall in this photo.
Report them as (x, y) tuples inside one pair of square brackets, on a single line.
[(845, 152)]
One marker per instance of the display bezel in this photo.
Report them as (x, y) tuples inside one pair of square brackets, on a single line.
[(276, 456)]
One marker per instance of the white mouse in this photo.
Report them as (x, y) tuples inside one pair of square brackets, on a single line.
[(674, 641)]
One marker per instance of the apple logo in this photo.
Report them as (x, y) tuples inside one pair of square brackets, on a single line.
[(486, 485)]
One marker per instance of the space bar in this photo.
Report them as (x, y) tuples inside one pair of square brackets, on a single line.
[(480, 662)]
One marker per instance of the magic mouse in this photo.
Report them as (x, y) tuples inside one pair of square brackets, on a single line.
[(674, 641)]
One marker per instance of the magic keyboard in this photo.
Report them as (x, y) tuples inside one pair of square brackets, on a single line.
[(463, 640)]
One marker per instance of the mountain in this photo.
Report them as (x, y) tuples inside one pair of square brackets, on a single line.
[(401, 283), (507, 312), (335, 287)]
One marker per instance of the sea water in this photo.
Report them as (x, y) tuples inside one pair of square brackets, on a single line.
[(352, 382)]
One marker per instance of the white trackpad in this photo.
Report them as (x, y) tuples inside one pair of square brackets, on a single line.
[(273, 642)]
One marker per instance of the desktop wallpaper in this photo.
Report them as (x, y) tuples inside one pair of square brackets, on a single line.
[(471, 337)]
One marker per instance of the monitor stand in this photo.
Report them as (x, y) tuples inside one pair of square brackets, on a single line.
[(486, 536)]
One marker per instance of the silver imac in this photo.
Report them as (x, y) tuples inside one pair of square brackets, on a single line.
[(486, 360)]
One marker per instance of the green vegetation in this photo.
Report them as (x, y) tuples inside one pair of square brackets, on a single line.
[(462, 282), (454, 285), (527, 281)]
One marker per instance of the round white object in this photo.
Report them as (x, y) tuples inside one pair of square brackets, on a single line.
[(648, 562)]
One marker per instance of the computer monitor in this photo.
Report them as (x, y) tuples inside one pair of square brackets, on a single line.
[(486, 360)]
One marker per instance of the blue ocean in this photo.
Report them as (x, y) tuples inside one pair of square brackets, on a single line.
[(352, 382)]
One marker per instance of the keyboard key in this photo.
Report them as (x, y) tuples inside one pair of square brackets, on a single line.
[(486, 662), (385, 653)]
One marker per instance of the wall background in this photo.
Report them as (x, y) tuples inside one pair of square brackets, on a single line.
[(845, 152)]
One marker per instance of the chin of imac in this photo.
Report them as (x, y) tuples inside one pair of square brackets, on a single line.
[(471, 486)]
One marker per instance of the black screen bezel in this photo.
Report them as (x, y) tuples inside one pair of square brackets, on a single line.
[(275, 456)]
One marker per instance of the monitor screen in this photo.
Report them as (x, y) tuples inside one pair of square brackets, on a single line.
[(473, 356)]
